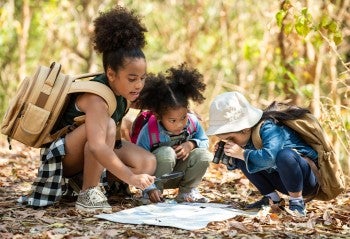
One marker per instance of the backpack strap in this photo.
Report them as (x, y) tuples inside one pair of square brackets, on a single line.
[(153, 131), (118, 136), (256, 139), (192, 126), (52, 74), (55, 69), (87, 75), (95, 88)]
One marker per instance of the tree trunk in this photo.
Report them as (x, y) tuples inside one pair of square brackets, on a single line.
[(23, 38)]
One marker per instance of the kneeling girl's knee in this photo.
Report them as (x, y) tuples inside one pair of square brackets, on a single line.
[(286, 156), (165, 154)]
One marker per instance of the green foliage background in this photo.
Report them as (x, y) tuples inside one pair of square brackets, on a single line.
[(296, 51)]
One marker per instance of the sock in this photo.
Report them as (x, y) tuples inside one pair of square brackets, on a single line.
[(296, 199), (274, 196)]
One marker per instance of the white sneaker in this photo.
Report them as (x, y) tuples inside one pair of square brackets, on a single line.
[(192, 196), (93, 200)]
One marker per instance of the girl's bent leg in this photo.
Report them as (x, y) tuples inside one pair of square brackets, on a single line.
[(295, 172), (265, 182), (73, 161), (92, 168), (194, 167), (166, 160), (136, 158), (79, 157)]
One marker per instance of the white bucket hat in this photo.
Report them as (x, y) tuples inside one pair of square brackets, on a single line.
[(231, 112)]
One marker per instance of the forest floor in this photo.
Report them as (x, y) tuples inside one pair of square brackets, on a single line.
[(18, 168)]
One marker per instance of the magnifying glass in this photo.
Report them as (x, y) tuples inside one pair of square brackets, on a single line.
[(168, 176)]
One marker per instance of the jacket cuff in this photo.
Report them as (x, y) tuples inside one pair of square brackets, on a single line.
[(150, 188)]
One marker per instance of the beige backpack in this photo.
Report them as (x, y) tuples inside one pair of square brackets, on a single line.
[(39, 101), (329, 173)]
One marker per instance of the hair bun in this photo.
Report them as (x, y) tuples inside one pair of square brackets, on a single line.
[(187, 81), (118, 28)]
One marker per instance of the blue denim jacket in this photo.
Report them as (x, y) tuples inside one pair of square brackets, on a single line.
[(199, 136), (275, 137)]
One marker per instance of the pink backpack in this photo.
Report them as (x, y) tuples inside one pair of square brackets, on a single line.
[(141, 119), (147, 116)]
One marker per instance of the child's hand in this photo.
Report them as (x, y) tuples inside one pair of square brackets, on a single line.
[(183, 150), (233, 150), (141, 181), (155, 196)]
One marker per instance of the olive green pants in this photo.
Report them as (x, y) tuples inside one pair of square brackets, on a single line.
[(194, 167)]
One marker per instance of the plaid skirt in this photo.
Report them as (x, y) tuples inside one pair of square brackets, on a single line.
[(47, 187), (50, 185)]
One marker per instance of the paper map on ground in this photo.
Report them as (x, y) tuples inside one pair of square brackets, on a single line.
[(188, 216)]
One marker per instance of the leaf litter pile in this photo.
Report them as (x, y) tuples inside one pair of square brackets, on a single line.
[(18, 168)]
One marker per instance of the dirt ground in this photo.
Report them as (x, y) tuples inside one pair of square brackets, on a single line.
[(18, 168)]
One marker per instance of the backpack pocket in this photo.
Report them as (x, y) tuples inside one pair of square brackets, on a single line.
[(14, 109), (31, 124)]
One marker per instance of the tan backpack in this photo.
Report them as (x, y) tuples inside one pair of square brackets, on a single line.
[(329, 173), (39, 101)]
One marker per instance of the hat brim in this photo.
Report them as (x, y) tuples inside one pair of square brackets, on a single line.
[(248, 122)]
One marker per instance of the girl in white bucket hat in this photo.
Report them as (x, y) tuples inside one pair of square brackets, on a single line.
[(232, 118)]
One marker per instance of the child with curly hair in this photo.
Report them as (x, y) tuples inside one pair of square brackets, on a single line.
[(95, 145), (179, 148)]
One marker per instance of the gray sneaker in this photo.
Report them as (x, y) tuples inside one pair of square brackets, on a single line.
[(93, 200), (297, 207)]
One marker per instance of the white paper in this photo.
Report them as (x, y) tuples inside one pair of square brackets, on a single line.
[(188, 216)]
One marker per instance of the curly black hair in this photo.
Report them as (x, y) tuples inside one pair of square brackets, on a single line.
[(119, 34), (171, 90)]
